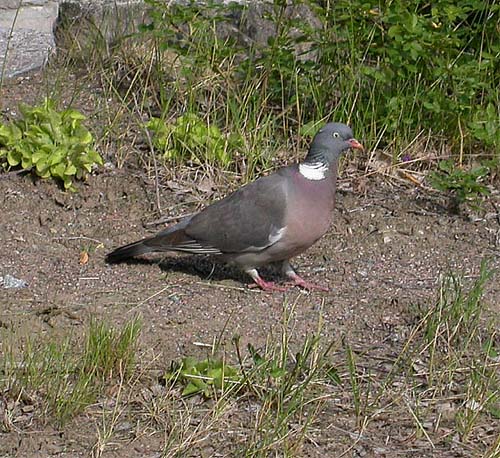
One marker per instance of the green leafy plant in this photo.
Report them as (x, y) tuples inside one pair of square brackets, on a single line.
[(189, 28), (202, 377), (485, 125), (189, 137), (464, 184), (51, 143)]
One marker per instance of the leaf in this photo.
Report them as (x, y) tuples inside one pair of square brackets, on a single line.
[(277, 372), (58, 171), (494, 411), (13, 157), (84, 257), (216, 376), (446, 166), (70, 170), (57, 156), (68, 184), (44, 173), (26, 163), (146, 27), (86, 138), (190, 389), (309, 129), (74, 115), (188, 363), (39, 155), (257, 359), (16, 132), (333, 375), (5, 134), (95, 157)]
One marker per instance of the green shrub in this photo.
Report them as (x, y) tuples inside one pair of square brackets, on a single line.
[(190, 138), (485, 126), (392, 69), (432, 66), (465, 185), (51, 143)]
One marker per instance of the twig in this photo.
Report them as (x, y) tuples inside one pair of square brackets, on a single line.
[(6, 175), (461, 156), (167, 219), (81, 237), (497, 210), (374, 149), (149, 298), (411, 178)]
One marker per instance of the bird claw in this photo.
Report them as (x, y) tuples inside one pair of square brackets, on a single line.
[(267, 286), (299, 281), (271, 286)]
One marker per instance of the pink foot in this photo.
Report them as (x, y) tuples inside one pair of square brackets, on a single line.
[(267, 285), (299, 281)]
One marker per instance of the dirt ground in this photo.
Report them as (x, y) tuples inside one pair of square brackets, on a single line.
[(381, 260)]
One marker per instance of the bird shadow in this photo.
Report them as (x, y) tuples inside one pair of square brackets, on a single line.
[(205, 268)]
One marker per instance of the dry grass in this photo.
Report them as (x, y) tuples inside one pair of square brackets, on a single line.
[(438, 386)]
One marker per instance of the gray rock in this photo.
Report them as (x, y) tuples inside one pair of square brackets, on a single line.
[(36, 15), (257, 27), (112, 19), (26, 34), (8, 282), (28, 50), (9, 4)]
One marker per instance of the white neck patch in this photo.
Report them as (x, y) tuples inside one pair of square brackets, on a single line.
[(316, 171)]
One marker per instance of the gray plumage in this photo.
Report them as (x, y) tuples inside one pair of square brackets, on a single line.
[(269, 220)]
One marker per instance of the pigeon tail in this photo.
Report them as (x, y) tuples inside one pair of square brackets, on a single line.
[(128, 251), (171, 239)]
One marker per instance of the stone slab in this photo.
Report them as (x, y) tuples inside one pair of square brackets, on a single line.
[(27, 50)]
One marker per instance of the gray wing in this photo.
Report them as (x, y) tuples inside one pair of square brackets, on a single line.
[(174, 238), (250, 219)]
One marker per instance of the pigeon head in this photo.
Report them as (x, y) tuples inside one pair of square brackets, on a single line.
[(329, 143)]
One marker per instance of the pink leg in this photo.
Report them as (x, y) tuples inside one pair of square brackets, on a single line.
[(262, 284), (298, 280)]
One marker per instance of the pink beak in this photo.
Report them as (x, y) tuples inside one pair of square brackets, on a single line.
[(355, 144)]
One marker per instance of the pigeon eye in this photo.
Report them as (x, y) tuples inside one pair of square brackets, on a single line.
[(336, 135)]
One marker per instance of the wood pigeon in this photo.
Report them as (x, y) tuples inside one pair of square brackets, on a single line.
[(269, 220)]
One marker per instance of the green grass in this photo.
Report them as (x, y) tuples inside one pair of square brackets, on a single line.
[(416, 83), (386, 68), (288, 385), (67, 380), (273, 399)]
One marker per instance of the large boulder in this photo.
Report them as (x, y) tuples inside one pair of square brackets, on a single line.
[(26, 34)]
